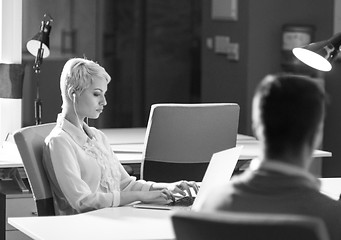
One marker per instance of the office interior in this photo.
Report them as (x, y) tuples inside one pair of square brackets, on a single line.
[(167, 51)]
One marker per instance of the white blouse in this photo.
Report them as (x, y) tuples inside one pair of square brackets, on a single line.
[(83, 171)]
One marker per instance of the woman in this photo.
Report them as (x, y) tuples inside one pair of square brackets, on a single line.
[(83, 171)]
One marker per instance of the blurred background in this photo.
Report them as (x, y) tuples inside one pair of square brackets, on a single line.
[(183, 51)]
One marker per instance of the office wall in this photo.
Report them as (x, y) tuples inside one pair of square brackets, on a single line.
[(258, 31), (49, 90), (224, 80), (332, 167)]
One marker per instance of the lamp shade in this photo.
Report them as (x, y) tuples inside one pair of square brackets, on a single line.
[(41, 39), (319, 55)]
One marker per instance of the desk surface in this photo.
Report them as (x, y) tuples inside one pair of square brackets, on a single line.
[(122, 222), (137, 135), (10, 156), (128, 144), (108, 223)]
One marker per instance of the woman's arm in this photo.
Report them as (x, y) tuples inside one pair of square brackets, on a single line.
[(68, 177), (157, 196), (139, 190)]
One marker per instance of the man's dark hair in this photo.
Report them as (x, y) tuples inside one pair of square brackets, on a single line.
[(291, 109)]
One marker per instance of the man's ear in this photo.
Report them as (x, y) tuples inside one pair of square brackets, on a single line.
[(257, 130), (318, 136), (257, 127)]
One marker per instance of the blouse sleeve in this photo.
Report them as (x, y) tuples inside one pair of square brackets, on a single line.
[(128, 183), (63, 157)]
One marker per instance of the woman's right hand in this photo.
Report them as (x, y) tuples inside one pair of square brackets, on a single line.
[(157, 196)]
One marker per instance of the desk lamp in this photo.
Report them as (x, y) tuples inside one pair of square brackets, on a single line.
[(38, 46), (319, 55)]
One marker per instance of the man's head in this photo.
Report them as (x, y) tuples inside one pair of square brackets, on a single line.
[(288, 113)]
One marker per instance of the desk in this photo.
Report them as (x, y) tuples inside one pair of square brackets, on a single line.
[(128, 144), (14, 203), (107, 223), (10, 156), (122, 222), (331, 187)]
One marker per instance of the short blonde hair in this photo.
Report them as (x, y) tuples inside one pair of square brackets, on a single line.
[(78, 74)]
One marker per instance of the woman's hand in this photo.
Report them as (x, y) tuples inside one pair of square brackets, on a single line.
[(157, 196), (183, 187)]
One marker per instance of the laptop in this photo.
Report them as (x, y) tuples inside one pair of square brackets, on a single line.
[(219, 170)]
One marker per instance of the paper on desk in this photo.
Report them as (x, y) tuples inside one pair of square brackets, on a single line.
[(9, 155), (128, 148), (331, 187)]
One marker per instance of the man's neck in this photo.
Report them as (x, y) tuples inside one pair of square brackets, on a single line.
[(302, 158)]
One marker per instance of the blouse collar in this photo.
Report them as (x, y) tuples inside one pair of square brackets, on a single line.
[(75, 133)]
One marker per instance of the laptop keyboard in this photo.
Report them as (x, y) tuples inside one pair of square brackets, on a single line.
[(184, 202)]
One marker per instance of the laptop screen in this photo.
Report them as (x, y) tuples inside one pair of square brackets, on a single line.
[(220, 169)]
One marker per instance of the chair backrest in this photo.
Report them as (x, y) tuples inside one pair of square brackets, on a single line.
[(30, 142), (247, 226), (181, 138)]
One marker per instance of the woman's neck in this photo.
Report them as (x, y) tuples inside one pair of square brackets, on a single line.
[(74, 119)]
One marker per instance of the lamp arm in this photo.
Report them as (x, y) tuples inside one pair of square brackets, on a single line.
[(39, 59), (45, 28), (336, 41)]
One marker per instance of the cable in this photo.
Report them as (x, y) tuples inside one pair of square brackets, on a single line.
[(74, 108)]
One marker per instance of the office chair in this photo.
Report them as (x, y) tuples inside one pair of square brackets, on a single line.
[(30, 142), (247, 226), (181, 138)]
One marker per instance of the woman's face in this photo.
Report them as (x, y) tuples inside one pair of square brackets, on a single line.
[(91, 101)]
